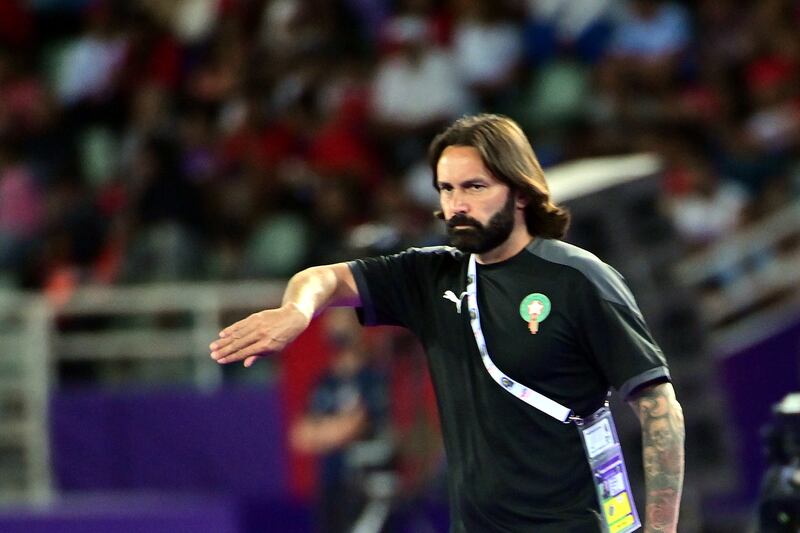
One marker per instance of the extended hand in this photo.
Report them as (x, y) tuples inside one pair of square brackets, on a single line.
[(260, 334)]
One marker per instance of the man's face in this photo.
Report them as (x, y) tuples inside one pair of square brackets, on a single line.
[(480, 210)]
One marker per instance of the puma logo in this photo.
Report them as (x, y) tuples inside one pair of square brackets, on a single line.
[(450, 295)]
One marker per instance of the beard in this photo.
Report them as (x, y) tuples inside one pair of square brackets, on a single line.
[(477, 238)]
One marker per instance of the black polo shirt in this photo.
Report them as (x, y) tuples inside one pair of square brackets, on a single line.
[(512, 468)]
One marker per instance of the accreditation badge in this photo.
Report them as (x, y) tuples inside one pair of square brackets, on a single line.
[(600, 440)]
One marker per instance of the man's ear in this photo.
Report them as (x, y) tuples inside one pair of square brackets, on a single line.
[(522, 200)]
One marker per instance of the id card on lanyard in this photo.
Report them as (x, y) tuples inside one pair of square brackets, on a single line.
[(598, 432), (610, 477)]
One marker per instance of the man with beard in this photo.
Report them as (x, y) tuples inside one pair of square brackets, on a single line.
[(509, 308)]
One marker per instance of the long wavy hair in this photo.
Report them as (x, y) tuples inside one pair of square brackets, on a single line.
[(508, 155)]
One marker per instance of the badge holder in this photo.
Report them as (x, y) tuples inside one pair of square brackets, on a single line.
[(603, 450)]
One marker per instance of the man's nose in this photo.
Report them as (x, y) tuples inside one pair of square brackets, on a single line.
[(458, 202)]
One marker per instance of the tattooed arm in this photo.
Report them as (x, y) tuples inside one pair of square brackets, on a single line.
[(661, 417)]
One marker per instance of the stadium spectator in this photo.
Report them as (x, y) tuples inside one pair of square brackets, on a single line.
[(348, 406)]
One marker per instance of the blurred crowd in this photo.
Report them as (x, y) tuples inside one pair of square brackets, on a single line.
[(151, 140)]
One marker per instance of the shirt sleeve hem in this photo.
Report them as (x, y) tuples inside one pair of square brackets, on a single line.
[(367, 309), (658, 374)]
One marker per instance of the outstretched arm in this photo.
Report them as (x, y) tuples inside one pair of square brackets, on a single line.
[(661, 417), (271, 330)]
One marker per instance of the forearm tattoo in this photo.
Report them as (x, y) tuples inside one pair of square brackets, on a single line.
[(663, 454)]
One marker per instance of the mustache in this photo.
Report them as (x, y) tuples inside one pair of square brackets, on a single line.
[(463, 220)]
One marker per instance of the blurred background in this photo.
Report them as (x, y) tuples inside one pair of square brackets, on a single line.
[(166, 165)]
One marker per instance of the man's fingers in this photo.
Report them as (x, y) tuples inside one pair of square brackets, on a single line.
[(232, 336), (234, 347), (244, 323), (258, 334), (252, 351), (233, 327), (220, 343)]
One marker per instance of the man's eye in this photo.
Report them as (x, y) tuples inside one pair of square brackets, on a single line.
[(477, 186)]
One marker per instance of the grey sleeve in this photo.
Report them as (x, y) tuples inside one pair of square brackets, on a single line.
[(617, 338)]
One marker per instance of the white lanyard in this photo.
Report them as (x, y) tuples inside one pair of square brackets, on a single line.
[(531, 397)]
